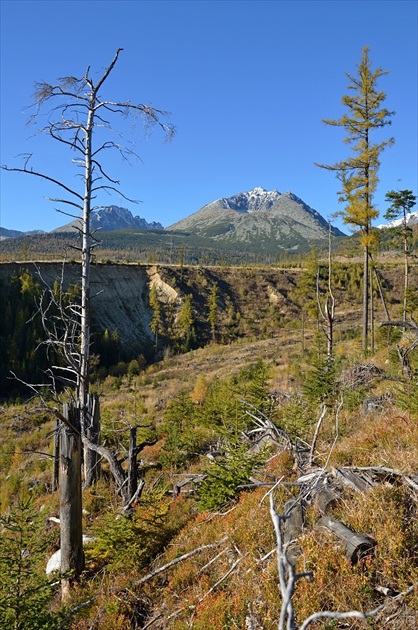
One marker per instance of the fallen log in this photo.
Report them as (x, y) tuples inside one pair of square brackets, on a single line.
[(360, 482), (356, 546), (188, 479), (293, 527), (326, 497)]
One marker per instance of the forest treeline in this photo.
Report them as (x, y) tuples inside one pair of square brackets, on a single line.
[(221, 305), (158, 247)]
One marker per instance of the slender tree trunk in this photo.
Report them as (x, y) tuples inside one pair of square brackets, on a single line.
[(72, 555), (56, 452), (303, 330), (85, 271), (371, 314), (382, 297), (365, 331), (132, 469), (405, 249), (330, 303), (91, 458)]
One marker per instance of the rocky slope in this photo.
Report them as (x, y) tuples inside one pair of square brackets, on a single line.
[(112, 218), (259, 218)]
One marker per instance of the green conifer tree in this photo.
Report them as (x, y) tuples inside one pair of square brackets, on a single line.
[(25, 590), (185, 324), (156, 324), (358, 174), (213, 310)]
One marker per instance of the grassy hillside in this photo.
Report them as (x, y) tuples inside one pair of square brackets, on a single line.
[(195, 404)]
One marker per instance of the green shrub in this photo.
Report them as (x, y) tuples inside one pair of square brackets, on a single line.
[(225, 476), (25, 591)]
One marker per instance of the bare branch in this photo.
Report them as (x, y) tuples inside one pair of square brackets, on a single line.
[(109, 70), (180, 559), (223, 578), (315, 437), (43, 176), (354, 614)]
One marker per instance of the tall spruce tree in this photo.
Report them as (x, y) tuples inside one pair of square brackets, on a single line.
[(156, 324), (213, 310), (358, 173)]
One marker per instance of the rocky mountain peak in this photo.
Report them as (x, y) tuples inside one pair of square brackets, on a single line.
[(259, 219), (111, 218), (252, 201), (116, 218)]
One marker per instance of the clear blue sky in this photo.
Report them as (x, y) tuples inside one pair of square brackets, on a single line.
[(247, 83)]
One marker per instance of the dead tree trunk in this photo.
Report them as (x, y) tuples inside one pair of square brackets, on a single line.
[(91, 458), (56, 454), (132, 466), (356, 546), (72, 555), (293, 527), (327, 312)]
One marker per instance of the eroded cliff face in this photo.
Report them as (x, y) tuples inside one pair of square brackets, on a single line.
[(119, 295), (165, 291), (252, 302)]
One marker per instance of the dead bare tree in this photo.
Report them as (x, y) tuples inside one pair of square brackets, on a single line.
[(327, 310), (405, 352), (76, 114)]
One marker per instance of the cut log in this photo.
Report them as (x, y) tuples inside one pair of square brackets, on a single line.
[(293, 528), (326, 497), (356, 546)]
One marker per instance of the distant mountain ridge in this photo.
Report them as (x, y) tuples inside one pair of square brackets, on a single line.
[(256, 221), (258, 218), (112, 218), (4, 233)]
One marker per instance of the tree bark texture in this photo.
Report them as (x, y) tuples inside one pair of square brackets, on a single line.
[(92, 432), (72, 555), (365, 330), (293, 528), (56, 460), (356, 546)]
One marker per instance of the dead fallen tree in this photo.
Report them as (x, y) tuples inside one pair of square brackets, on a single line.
[(356, 546)]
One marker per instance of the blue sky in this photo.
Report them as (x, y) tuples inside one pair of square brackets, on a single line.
[(247, 84)]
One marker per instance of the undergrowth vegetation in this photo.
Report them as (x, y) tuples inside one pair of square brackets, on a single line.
[(223, 426)]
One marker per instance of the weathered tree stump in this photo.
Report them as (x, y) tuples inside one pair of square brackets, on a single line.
[(72, 554), (293, 528), (356, 546)]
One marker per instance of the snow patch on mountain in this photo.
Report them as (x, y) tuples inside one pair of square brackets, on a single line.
[(412, 219), (110, 218)]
